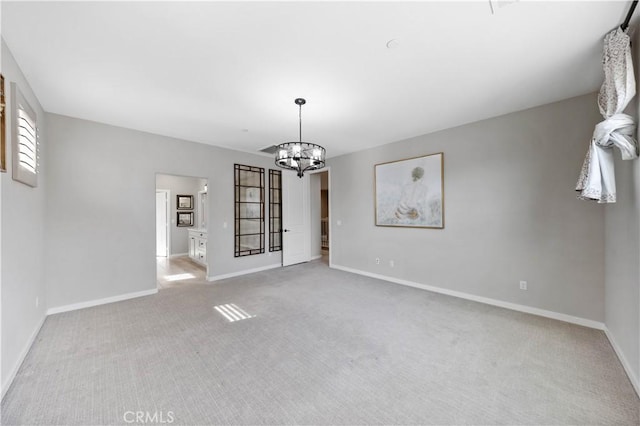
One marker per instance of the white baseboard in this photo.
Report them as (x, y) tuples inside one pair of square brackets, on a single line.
[(508, 305), (23, 354), (623, 360), (178, 255), (90, 303), (318, 256), (245, 272)]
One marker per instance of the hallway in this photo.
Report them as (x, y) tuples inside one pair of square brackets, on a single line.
[(172, 272)]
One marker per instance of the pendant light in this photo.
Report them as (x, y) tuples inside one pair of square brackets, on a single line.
[(300, 156)]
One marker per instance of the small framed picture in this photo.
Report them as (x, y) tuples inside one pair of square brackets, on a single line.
[(184, 202), (185, 219)]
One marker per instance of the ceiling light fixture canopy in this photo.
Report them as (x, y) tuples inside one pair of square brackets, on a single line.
[(300, 156)]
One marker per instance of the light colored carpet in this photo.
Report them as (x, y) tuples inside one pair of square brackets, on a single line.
[(324, 347)]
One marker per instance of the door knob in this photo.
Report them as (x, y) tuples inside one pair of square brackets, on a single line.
[(286, 230)]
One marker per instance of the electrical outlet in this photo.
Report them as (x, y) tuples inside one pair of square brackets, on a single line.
[(377, 260), (523, 285), (392, 263)]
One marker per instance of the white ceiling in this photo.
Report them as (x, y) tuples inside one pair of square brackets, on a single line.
[(207, 72)]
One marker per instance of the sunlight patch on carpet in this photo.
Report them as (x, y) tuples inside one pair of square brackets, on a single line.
[(232, 312), (178, 277)]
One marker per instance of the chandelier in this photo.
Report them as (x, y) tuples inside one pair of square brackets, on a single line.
[(300, 156)]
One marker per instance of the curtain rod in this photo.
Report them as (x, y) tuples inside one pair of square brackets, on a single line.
[(625, 24)]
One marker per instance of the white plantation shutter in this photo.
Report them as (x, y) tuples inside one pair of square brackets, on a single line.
[(27, 145), (25, 140)]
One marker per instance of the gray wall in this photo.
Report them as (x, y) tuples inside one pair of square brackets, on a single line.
[(510, 207), (182, 185), (622, 262), (101, 210), (22, 224)]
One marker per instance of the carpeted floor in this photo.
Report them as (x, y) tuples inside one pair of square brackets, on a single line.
[(323, 347)]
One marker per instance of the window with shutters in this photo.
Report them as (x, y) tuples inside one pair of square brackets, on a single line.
[(24, 143), (3, 120)]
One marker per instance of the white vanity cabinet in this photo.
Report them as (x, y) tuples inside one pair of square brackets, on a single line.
[(198, 246)]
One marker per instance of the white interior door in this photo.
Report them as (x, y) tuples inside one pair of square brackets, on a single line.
[(296, 221), (161, 224)]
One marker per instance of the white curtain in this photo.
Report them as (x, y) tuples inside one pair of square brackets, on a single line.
[(597, 179)]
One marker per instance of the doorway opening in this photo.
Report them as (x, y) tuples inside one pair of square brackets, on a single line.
[(181, 230), (320, 223)]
